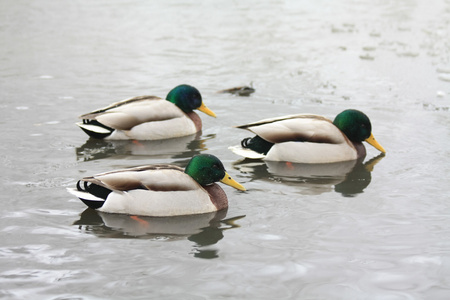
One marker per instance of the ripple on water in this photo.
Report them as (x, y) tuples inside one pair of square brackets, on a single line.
[(43, 254), (444, 77)]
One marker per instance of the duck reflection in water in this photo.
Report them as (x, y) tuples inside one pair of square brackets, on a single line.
[(183, 147), (203, 230), (348, 178)]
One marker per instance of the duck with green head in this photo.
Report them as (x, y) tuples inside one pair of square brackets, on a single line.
[(148, 117), (309, 138), (159, 190)]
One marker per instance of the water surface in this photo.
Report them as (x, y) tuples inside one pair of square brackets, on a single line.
[(372, 229)]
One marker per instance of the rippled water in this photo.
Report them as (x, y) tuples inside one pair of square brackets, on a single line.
[(372, 229)]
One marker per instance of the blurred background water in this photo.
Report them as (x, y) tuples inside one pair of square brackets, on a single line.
[(372, 229)]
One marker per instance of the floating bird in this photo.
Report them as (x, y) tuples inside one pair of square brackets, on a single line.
[(148, 117), (159, 190), (240, 90), (309, 138)]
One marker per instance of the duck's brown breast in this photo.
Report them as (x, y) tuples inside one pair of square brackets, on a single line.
[(196, 119), (217, 196)]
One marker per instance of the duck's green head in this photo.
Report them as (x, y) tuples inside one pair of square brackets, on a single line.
[(357, 127), (188, 98), (207, 169)]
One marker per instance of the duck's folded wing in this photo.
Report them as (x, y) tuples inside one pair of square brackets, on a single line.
[(93, 114), (155, 178), (305, 128), (129, 113)]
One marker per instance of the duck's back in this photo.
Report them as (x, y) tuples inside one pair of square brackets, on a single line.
[(304, 127), (152, 177)]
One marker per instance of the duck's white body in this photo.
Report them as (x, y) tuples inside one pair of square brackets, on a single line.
[(157, 190), (142, 118), (302, 138)]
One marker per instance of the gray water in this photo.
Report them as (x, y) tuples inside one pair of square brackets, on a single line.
[(374, 229)]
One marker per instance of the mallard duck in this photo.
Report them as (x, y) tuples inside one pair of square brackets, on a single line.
[(159, 190), (309, 138), (148, 117)]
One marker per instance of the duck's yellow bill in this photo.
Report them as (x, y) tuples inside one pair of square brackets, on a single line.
[(371, 140), (231, 182), (206, 110)]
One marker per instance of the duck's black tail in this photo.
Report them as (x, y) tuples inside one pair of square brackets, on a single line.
[(93, 195), (257, 144), (95, 129)]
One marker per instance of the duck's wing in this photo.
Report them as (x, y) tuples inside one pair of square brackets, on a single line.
[(93, 114), (129, 113), (304, 127), (154, 178)]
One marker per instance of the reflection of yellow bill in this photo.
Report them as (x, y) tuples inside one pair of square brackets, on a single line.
[(206, 110), (231, 182), (371, 140), (370, 165)]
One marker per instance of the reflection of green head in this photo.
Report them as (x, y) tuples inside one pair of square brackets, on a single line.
[(205, 169), (186, 97), (354, 124)]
